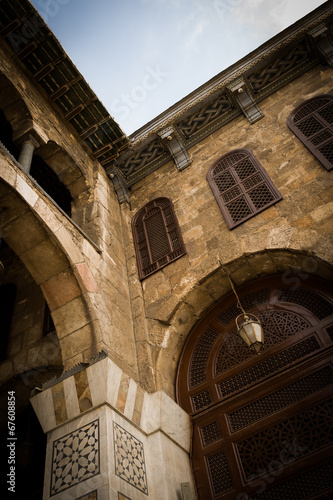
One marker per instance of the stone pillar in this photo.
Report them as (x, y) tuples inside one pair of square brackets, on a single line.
[(111, 440), (27, 150)]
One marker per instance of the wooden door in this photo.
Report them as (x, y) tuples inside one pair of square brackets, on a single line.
[(262, 424)]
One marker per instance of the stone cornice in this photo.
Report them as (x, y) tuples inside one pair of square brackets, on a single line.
[(262, 53), (235, 91)]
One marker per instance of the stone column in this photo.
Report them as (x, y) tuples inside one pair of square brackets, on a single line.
[(109, 439), (27, 150)]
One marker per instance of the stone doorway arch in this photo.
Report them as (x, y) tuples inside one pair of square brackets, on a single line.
[(51, 268), (261, 424)]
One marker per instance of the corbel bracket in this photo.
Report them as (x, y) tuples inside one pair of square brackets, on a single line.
[(245, 100), (322, 40), (119, 186), (176, 147)]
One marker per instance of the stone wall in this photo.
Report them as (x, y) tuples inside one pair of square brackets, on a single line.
[(87, 290), (278, 238)]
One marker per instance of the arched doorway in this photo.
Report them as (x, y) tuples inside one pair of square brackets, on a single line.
[(262, 424)]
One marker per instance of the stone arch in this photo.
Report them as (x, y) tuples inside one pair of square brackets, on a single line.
[(68, 172), (14, 108), (248, 406), (28, 224), (294, 265)]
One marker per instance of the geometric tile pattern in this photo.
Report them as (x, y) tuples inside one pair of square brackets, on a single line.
[(75, 457), (129, 459)]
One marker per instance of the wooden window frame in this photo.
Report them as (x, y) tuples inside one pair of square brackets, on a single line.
[(312, 142), (172, 236), (244, 193)]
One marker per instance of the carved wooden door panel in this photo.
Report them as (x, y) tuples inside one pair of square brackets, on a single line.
[(262, 425)]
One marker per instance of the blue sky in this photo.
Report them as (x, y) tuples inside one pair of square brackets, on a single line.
[(142, 56)]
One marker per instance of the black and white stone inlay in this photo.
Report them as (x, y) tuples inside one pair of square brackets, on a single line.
[(129, 459), (75, 457)]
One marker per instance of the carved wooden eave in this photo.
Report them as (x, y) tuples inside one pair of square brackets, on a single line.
[(235, 91)]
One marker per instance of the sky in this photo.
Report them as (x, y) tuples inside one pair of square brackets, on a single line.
[(142, 56)]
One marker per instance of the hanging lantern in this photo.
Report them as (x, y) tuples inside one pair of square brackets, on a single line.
[(248, 325), (250, 330)]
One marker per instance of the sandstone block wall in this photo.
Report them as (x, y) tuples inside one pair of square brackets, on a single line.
[(278, 238)]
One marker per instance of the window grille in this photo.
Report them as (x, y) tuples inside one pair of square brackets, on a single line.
[(157, 237), (241, 186), (312, 123)]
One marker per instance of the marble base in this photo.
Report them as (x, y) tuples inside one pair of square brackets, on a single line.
[(126, 445)]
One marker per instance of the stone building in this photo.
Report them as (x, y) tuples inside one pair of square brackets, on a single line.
[(125, 262)]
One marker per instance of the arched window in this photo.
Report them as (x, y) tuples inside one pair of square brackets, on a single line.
[(157, 237), (241, 186), (312, 123), (50, 182), (6, 135)]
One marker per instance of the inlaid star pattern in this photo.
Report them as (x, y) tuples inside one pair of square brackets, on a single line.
[(129, 459), (75, 457)]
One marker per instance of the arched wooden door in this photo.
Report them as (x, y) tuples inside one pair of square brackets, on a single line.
[(262, 424)]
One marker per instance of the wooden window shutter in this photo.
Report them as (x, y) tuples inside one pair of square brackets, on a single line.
[(157, 237), (241, 186), (312, 123)]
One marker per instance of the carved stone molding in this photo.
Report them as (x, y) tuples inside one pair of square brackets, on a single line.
[(119, 186), (245, 100), (176, 147), (322, 40)]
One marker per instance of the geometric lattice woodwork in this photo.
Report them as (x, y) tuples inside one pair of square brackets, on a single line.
[(219, 472), (312, 123), (210, 433), (241, 186), (260, 421), (315, 303), (200, 356), (280, 399), (201, 400), (269, 366), (307, 485), (157, 236), (277, 325), (301, 434)]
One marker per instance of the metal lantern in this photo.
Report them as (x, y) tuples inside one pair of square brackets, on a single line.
[(248, 325), (250, 330)]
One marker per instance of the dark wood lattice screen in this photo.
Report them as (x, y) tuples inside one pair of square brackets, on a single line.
[(262, 425), (241, 186), (312, 123), (157, 236)]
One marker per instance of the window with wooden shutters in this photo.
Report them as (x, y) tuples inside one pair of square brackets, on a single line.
[(157, 237), (241, 186), (312, 123)]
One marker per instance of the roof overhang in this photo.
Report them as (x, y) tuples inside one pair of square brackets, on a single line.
[(47, 63)]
